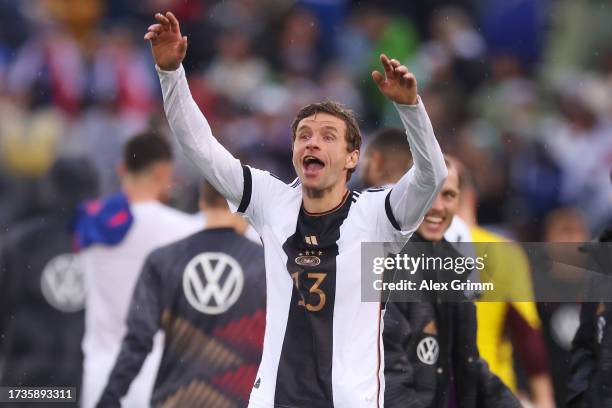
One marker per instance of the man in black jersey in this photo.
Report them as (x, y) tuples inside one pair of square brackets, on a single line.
[(42, 290), (431, 356), (590, 379), (207, 293)]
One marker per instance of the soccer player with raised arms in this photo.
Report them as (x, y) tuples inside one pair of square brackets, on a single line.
[(322, 346)]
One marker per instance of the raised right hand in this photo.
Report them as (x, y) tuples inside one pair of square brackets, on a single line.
[(167, 44)]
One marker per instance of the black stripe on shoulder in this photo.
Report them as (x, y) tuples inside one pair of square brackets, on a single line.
[(390, 215), (248, 189), (274, 175), (295, 183)]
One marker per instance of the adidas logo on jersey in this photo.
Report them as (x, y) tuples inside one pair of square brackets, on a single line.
[(311, 240)]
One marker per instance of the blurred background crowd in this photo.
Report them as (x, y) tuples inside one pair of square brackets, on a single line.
[(520, 91)]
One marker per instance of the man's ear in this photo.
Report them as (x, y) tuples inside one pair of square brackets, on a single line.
[(352, 159)]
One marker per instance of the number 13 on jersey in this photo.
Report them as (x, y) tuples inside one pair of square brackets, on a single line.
[(314, 289)]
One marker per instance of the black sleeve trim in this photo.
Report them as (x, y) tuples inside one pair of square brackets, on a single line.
[(248, 188), (390, 213)]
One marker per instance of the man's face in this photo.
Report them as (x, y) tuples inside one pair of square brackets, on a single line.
[(320, 152), (440, 215)]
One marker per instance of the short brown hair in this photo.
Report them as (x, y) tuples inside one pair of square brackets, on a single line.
[(353, 134), (145, 149), (210, 196)]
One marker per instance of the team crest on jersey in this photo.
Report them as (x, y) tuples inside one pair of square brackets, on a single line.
[(213, 282), (428, 350), (62, 285), (309, 258)]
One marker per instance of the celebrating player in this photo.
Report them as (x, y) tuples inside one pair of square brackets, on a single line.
[(322, 345)]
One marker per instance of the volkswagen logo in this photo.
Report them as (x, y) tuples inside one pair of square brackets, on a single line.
[(212, 282)]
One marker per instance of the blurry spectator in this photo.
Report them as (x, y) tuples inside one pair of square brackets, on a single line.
[(379, 33), (48, 70), (121, 77), (580, 142), (235, 73), (330, 15), (508, 327), (116, 233), (29, 140), (28, 145), (298, 45), (536, 182), (516, 28), (13, 28), (78, 17), (560, 320), (455, 52), (42, 293)]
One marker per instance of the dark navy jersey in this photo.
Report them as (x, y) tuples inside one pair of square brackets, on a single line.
[(41, 305), (207, 293), (431, 355)]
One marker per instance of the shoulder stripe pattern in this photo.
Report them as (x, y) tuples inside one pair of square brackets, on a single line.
[(248, 188), (295, 183), (390, 213)]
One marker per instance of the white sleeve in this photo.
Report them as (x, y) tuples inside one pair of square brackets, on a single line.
[(260, 197), (412, 196), (193, 132)]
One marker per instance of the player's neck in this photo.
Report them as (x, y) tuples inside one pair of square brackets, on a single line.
[(223, 218), (320, 201), (139, 191)]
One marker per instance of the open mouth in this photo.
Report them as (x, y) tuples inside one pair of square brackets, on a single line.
[(312, 165)]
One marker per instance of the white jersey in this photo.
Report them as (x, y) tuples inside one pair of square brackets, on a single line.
[(110, 275), (322, 344), (458, 231)]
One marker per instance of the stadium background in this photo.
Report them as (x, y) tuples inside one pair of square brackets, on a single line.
[(520, 91)]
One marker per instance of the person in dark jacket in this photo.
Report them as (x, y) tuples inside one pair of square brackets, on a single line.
[(42, 292), (590, 378), (431, 356), (207, 293)]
